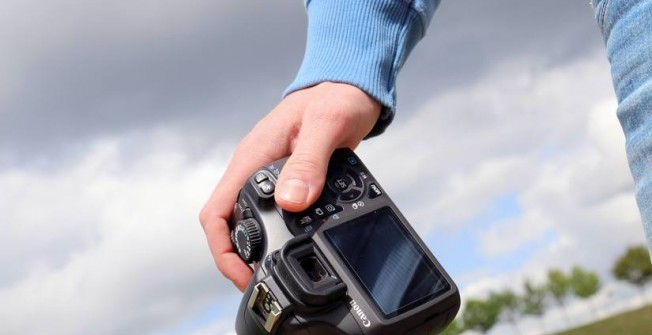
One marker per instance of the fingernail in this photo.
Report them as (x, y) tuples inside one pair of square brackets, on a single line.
[(294, 190)]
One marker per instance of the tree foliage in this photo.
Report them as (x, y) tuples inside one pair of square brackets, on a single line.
[(480, 315), (533, 300), (509, 304), (634, 266), (558, 285), (507, 300), (584, 283)]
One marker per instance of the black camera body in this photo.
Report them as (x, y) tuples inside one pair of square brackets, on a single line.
[(350, 264)]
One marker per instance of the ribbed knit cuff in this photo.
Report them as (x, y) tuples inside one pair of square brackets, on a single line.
[(359, 42)]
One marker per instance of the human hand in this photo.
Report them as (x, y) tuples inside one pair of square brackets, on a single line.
[(308, 125)]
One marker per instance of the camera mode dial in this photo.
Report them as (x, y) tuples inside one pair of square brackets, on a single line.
[(248, 240)]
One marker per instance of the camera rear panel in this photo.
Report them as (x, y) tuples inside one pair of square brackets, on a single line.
[(349, 188), (352, 250)]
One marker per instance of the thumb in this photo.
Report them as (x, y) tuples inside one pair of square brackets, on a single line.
[(302, 179), (303, 176)]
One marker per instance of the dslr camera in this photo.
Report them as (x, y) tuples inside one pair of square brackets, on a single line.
[(350, 264)]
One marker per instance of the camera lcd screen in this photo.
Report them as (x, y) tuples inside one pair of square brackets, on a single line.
[(387, 261)]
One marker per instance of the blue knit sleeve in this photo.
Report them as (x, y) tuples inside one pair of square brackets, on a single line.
[(363, 43)]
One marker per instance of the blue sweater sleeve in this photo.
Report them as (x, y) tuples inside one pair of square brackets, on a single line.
[(363, 43)]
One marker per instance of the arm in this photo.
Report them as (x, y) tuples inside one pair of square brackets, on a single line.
[(627, 30), (344, 92), (364, 44)]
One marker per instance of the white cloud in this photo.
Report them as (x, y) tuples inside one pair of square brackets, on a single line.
[(585, 193), (509, 235), (109, 244), (488, 138)]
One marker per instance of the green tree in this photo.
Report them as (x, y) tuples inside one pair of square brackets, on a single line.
[(480, 315), (559, 287), (454, 328), (533, 301), (584, 284), (509, 304), (634, 267)]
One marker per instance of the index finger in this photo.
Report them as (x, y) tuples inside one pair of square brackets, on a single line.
[(252, 153)]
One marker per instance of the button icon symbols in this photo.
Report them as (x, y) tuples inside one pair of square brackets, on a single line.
[(374, 191), (352, 160), (305, 220), (267, 187), (341, 183), (354, 206), (319, 211), (260, 177), (274, 169), (330, 208)]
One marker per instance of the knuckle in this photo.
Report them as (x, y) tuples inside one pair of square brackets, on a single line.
[(305, 163), (332, 118), (203, 218)]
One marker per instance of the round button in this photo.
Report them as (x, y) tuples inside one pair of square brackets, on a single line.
[(247, 240), (340, 183), (355, 188)]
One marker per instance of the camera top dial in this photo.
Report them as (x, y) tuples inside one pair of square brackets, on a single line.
[(247, 239)]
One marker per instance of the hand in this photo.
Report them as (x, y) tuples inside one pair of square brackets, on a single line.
[(308, 125)]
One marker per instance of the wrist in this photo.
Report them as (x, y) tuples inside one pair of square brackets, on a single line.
[(361, 43)]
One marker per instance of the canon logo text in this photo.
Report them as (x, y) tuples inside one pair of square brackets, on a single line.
[(358, 311)]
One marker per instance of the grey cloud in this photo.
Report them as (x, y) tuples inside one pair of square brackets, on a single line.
[(467, 37), (82, 78), (80, 70)]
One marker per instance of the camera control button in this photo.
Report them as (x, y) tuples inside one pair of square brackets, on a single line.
[(319, 212), (247, 213), (260, 177), (304, 220), (374, 191), (340, 183), (332, 209), (267, 187), (351, 195), (352, 160), (357, 181)]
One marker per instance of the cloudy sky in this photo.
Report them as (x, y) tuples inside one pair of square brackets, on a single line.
[(117, 119)]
